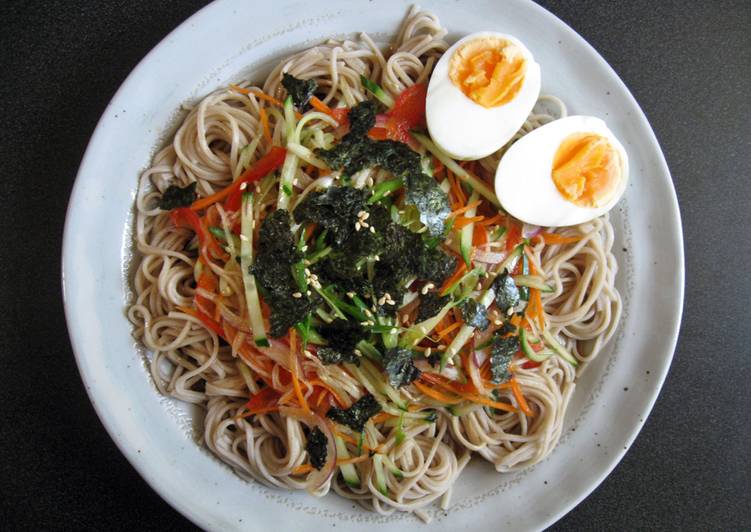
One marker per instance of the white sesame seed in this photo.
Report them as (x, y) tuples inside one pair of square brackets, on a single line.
[(428, 351), (441, 347), (244, 238), (351, 295), (364, 323), (368, 313), (394, 330), (365, 224), (257, 189), (391, 302), (358, 352), (510, 311), (295, 182), (307, 271), (371, 322), (377, 258), (387, 193), (357, 226), (382, 301), (313, 277), (372, 229), (304, 248), (361, 214), (416, 342), (478, 287), (369, 181), (308, 353), (405, 319), (243, 185), (308, 292), (365, 215), (297, 295), (306, 262), (498, 322)]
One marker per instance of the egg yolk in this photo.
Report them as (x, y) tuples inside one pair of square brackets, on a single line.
[(586, 169), (488, 70)]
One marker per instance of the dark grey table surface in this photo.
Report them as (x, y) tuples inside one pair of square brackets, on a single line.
[(687, 63)]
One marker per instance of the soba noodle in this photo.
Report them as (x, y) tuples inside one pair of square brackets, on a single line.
[(221, 135)]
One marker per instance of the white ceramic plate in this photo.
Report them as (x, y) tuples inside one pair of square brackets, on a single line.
[(231, 38)]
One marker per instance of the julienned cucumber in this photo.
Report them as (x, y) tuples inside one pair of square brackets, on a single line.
[(532, 281), (290, 161), (380, 477), (524, 289), (376, 90), (528, 351), (465, 242), (349, 472), (246, 259), (559, 350), (462, 408)]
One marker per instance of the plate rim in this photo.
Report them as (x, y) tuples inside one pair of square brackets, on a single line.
[(78, 344)]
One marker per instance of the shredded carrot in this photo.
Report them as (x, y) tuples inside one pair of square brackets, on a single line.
[(295, 379), (302, 469), (265, 124), (460, 269), (457, 188), (309, 231), (318, 382), (465, 208), (261, 96), (307, 468), (554, 238), (448, 329), (479, 236), (437, 395), (489, 402), (381, 417), (318, 105), (463, 221), (519, 396), (353, 460), (437, 166), (515, 320), (498, 218), (536, 294)]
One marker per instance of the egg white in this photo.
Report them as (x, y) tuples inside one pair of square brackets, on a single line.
[(465, 129), (524, 183)]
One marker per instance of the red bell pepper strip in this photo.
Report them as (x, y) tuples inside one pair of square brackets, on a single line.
[(265, 165), (408, 113)]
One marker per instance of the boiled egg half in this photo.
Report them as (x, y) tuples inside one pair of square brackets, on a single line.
[(480, 93), (566, 172)]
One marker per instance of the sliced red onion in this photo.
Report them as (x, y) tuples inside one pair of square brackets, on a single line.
[(381, 120), (488, 257), (316, 478), (473, 370), (530, 231)]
